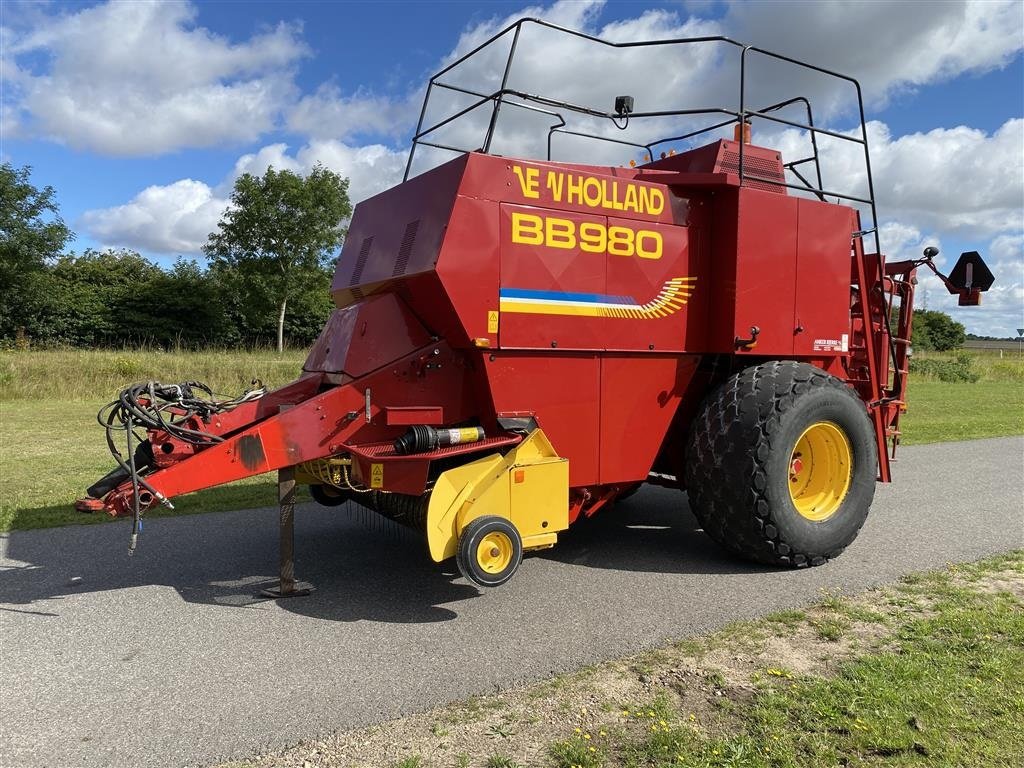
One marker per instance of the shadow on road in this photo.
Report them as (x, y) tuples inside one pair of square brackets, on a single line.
[(363, 568), (651, 532)]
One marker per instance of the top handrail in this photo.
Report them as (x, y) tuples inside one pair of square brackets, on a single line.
[(743, 115)]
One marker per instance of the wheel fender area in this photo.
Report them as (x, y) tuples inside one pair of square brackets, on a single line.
[(528, 486)]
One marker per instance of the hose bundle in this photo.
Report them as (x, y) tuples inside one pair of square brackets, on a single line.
[(154, 406), (168, 407)]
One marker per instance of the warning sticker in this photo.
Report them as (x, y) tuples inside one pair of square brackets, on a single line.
[(376, 475), (492, 321)]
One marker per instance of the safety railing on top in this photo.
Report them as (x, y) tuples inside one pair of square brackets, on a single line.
[(556, 109)]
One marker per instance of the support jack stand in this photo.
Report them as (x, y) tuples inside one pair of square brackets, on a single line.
[(286, 498)]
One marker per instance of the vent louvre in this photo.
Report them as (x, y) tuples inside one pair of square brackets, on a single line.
[(756, 166), (405, 250), (364, 255)]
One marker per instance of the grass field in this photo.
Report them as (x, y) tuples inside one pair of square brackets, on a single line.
[(51, 447)]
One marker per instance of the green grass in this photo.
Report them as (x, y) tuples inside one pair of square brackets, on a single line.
[(98, 375), (950, 694), (52, 449), (939, 411)]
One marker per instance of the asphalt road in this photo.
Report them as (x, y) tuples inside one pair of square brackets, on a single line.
[(167, 658)]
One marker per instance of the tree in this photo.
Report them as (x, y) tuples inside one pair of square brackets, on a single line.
[(31, 234), (84, 300), (937, 330), (278, 236)]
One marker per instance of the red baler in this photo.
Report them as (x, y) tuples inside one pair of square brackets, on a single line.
[(517, 343)]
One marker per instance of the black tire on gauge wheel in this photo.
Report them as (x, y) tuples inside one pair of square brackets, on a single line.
[(781, 464), (490, 551), (328, 495)]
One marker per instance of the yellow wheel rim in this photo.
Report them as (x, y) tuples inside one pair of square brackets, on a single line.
[(819, 471), (494, 552)]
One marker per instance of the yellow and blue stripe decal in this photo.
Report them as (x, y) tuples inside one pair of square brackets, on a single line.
[(670, 299)]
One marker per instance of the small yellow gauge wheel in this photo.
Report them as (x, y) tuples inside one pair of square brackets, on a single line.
[(490, 550), (819, 471)]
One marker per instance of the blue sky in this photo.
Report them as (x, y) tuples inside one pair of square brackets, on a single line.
[(141, 114)]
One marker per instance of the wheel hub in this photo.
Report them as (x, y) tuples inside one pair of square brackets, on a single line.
[(820, 469), (494, 554)]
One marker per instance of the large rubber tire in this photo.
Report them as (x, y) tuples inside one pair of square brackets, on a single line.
[(740, 456), (474, 556)]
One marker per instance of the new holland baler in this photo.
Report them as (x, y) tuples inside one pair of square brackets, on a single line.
[(519, 342)]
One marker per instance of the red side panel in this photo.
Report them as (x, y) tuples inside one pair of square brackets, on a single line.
[(646, 281), (639, 397), (396, 233), (766, 271), (549, 272), (363, 337), (564, 394), (822, 306), (467, 269)]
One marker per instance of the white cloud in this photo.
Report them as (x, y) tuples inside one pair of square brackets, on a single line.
[(327, 114), (959, 179), (177, 218), (139, 78), (887, 46), (161, 219), (370, 168), (890, 48)]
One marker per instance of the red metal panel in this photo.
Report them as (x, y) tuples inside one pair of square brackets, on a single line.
[(822, 301), (549, 272), (396, 233), (413, 414), (766, 270), (673, 281), (365, 336), (723, 156), (564, 394), (468, 271), (639, 397), (720, 282), (595, 190)]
